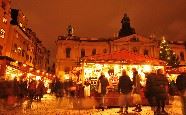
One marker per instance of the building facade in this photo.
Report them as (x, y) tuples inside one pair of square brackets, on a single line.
[(18, 41), (71, 49), (5, 18)]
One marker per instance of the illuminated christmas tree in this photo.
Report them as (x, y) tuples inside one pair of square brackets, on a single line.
[(167, 54)]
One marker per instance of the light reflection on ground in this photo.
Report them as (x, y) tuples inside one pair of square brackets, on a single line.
[(64, 106)]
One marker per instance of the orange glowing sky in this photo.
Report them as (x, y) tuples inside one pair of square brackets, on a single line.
[(101, 18)]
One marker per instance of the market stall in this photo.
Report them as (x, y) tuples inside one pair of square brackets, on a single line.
[(11, 69), (172, 73), (112, 65)]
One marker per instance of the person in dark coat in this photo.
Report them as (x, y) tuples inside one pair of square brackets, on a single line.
[(137, 87), (102, 85), (181, 86), (16, 89), (124, 88), (32, 90), (40, 90), (172, 88), (149, 89), (58, 87), (21, 91), (161, 91)]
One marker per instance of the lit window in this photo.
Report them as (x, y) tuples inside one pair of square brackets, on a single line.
[(23, 17), (19, 50), (17, 35), (20, 24), (2, 33), (4, 20)]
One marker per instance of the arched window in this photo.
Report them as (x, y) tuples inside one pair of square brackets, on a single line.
[(94, 51), (82, 53), (68, 51), (182, 58)]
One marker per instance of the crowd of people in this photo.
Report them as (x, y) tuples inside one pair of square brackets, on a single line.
[(157, 90), (16, 91), (66, 88)]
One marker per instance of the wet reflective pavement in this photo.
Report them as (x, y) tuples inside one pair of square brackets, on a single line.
[(52, 106)]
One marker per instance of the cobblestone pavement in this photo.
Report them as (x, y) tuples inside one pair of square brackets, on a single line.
[(51, 106)]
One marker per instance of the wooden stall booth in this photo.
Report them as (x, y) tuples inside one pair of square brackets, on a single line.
[(112, 65)]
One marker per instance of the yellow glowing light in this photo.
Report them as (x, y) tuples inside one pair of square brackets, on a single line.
[(4, 20), (99, 66), (66, 76), (20, 24), (24, 65), (19, 48), (147, 68), (38, 77), (31, 69), (107, 75), (38, 71), (117, 68), (43, 73)]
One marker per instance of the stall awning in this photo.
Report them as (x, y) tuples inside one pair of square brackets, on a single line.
[(6, 58), (125, 57)]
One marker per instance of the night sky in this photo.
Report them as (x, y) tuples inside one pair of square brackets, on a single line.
[(102, 18)]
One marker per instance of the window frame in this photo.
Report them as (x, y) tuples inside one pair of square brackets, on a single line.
[(68, 52), (83, 53), (94, 51)]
